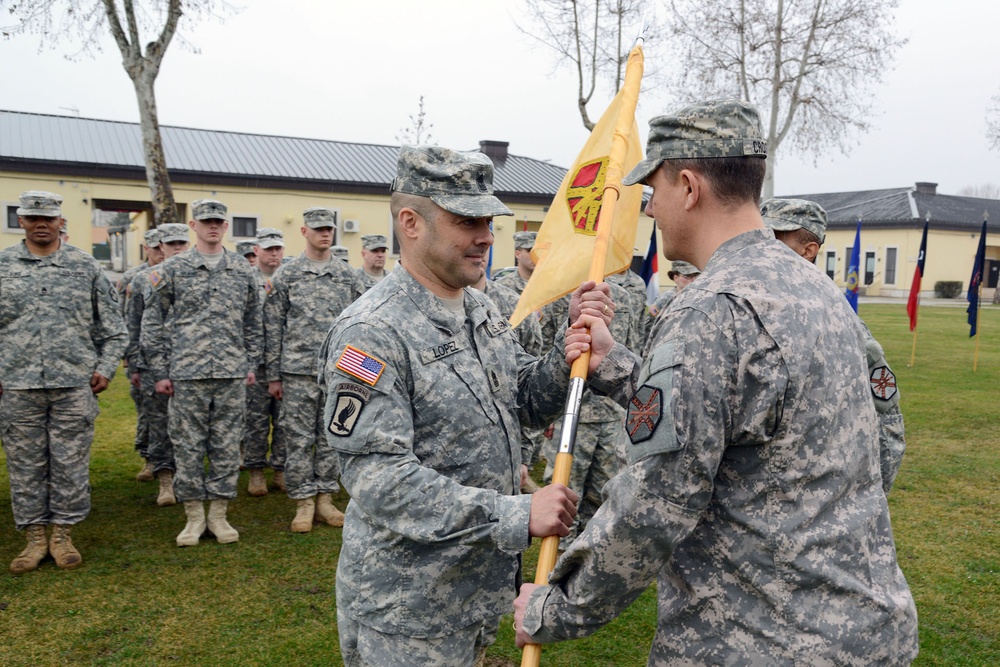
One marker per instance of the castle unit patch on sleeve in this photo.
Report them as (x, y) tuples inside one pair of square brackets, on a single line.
[(351, 400), (361, 365), (644, 411), (883, 383)]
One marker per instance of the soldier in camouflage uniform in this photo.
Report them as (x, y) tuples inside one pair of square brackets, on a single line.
[(427, 386), (154, 255), (801, 225), (682, 273), (62, 335), (636, 289), (263, 409), (341, 253), (249, 251), (753, 491), (373, 250), (306, 296), (155, 406), (202, 336)]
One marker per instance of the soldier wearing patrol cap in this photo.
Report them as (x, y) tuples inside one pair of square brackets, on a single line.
[(263, 410), (373, 250), (173, 241), (249, 251), (427, 386), (154, 255), (62, 337), (202, 337), (752, 490), (341, 253), (306, 296), (801, 225), (682, 273)]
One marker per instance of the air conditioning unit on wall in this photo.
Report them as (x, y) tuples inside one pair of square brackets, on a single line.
[(352, 226)]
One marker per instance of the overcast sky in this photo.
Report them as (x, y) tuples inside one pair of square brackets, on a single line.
[(354, 72)]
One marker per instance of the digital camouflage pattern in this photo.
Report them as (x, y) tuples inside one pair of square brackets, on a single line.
[(319, 217), (785, 215), (716, 128), (173, 231), (269, 237), (753, 491), (463, 647), (208, 209), (460, 182), (683, 268), (41, 203), (524, 240), (885, 395), (367, 280), (430, 454), (340, 252), (302, 305), (246, 247), (635, 288), (374, 242), (264, 429)]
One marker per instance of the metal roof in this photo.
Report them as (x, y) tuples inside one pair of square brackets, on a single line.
[(29, 139)]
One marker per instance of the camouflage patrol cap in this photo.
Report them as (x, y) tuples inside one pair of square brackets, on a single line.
[(716, 128), (682, 268), (524, 240), (785, 215), (173, 231), (269, 237), (339, 251), (319, 218), (374, 242), (209, 209), (151, 239), (40, 203), (245, 247), (460, 182)]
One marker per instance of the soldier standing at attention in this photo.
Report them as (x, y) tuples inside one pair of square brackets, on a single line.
[(801, 225), (173, 241), (341, 253), (62, 336), (427, 386), (753, 489), (373, 250), (124, 286), (202, 336), (306, 296), (249, 251), (263, 410), (682, 274)]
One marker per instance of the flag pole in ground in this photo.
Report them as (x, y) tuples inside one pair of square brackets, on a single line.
[(975, 290), (913, 303), (624, 126)]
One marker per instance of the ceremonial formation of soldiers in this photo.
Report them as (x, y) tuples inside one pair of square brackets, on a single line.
[(735, 443)]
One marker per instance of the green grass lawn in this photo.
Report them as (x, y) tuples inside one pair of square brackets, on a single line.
[(269, 599)]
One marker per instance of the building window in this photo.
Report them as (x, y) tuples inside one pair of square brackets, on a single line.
[(847, 262), (831, 264), (869, 268), (10, 224), (245, 226), (890, 266)]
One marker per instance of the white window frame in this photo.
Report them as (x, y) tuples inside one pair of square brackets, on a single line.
[(863, 269), (232, 226), (826, 263), (885, 266), (11, 230), (847, 263)]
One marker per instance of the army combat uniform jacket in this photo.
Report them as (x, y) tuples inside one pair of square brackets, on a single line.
[(424, 406), (59, 320), (753, 491)]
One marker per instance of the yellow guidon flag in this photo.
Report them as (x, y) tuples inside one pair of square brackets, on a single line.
[(566, 240)]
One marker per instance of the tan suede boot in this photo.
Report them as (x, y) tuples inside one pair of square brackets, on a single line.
[(37, 549), (166, 496), (195, 511), (257, 486), (146, 474), (62, 549), (224, 533), (278, 481), (304, 512), (326, 511)]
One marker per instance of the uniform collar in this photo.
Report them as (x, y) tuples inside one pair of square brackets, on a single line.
[(58, 258), (736, 244), (432, 308)]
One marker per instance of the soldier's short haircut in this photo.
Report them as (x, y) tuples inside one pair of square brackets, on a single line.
[(422, 205), (735, 180)]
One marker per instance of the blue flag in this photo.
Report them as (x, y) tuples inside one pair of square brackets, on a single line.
[(975, 281), (853, 270), (650, 270)]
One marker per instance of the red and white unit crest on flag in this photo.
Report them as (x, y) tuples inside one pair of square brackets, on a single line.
[(585, 194), (361, 365)]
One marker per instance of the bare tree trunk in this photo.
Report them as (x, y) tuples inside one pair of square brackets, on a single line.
[(161, 193)]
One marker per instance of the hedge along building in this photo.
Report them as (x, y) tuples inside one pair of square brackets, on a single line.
[(265, 181), (892, 222)]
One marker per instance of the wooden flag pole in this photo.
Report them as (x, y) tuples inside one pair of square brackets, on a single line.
[(913, 351), (532, 653)]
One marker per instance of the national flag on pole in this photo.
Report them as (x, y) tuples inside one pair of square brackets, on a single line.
[(566, 239), (854, 270), (914, 301), (976, 281), (650, 270)]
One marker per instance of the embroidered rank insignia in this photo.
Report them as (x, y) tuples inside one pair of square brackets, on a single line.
[(644, 411), (361, 365), (351, 399), (883, 383), (154, 278)]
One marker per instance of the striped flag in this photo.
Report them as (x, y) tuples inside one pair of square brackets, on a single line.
[(650, 270), (914, 301)]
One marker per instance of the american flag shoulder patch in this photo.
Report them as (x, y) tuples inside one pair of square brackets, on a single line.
[(154, 278), (361, 365), (267, 286)]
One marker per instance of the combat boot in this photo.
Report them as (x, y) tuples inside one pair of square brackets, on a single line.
[(195, 511), (166, 496), (37, 549), (257, 486), (326, 511), (224, 533), (146, 474), (278, 481), (304, 512), (62, 549)]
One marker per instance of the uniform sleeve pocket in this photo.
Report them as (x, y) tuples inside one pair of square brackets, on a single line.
[(649, 421)]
